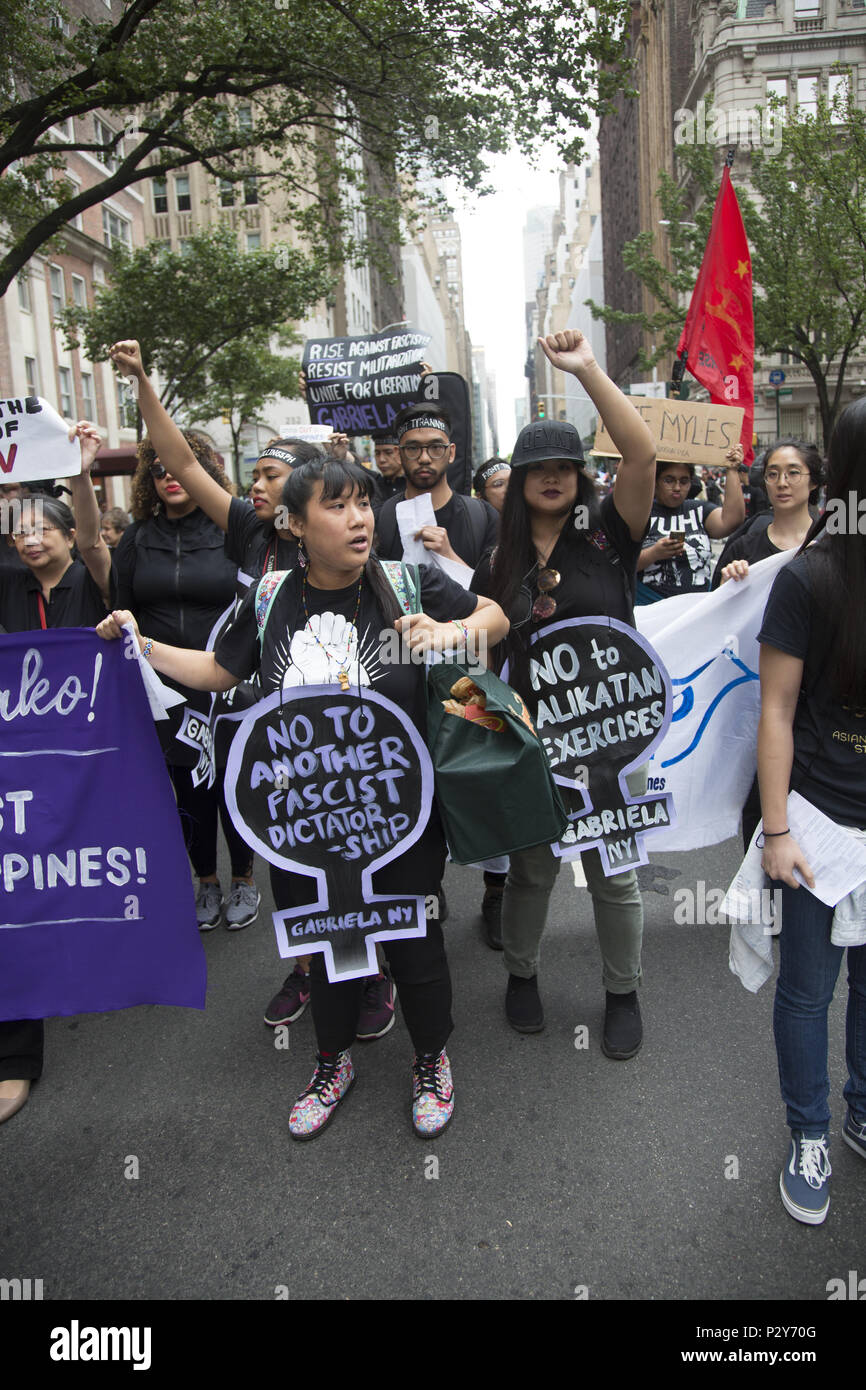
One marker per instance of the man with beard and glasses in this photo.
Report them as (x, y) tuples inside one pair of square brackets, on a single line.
[(465, 527)]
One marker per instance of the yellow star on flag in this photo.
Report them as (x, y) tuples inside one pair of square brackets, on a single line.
[(737, 362), (742, 268)]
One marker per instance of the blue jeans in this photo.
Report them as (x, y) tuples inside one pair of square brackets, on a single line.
[(808, 969)]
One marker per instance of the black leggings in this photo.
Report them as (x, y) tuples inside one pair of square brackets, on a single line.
[(21, 1044), (419, 967), (198, 808)]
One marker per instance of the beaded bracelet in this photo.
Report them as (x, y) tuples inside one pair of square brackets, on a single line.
[(147, 648), (464, 629)]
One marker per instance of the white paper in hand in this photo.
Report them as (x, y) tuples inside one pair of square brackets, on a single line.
[(161, 698), (34, 442)]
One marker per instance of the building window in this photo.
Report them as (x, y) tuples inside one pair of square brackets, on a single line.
[(31, 371), (24, 292), (160, 195), (104, 136), (184, 245), (251, 190), (254, 241), (778, 87), (79, 291), (227, 193), (57, 291), (88, 402), (807, 95), (245, 117), (98, 275), (115, 230), (182, 193), (66, 403), (63, 129), (838, 95)]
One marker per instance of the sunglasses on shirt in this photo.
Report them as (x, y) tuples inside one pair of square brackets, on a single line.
[(544, 605)]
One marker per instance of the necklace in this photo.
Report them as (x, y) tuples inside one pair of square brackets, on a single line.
[(342, 673)]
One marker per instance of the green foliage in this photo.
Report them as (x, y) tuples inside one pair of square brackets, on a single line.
[(242, 378), (187, 308), (806, 227), (417, 86)]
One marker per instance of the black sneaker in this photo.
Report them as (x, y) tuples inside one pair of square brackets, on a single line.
[(623, 1030), (491, 913), (522, 1004), (293, 997), (378, 1003)]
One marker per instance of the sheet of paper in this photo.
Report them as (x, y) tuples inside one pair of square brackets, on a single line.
[(35, 443), (837, 861), (161, 698), (412, 514)]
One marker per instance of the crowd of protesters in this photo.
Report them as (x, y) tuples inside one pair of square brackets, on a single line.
[(504, 563)]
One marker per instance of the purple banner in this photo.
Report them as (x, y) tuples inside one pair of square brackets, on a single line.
[(96, 903)]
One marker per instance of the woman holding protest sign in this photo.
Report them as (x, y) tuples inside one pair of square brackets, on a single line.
[(332, 623), (562, 554), (65, 580), (811, 741)]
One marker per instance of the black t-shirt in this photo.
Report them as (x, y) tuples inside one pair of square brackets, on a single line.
[(692, 571), (254, 546), (290, 656), (386, 488), (75, 600), (749, 542), (471, 523), (829, 766), (597, 570)]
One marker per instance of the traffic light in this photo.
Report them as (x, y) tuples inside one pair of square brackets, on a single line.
[(542, 410)]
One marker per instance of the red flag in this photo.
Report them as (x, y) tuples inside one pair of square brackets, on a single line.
[(719, 333)]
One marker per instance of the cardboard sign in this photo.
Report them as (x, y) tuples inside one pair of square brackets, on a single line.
[(34, 442), (333, 784), (357, 385), (96, 904), (604, 703), (683, 431)]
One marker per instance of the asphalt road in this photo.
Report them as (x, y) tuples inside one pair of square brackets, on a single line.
[(563, 1174)]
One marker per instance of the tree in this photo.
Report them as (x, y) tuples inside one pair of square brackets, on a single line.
[(186, 309), (290, 94), (242, 378), (807, 235)]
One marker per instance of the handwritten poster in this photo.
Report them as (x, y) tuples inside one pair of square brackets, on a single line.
[(334, 785), (34, 442), (603, 705), (356, 385), (683, 431), (96, 903)]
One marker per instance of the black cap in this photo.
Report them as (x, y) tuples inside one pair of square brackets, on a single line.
[(547, 439)]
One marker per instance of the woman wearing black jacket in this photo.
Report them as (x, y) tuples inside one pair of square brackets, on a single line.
[(174, 575)]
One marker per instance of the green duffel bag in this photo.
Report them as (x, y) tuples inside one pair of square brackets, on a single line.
[(494, 786)]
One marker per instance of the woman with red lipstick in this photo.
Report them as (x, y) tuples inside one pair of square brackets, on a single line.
[(563, 554), (174, 575)]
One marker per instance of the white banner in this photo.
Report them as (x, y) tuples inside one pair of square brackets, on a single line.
[(34, 442), (708, 644)]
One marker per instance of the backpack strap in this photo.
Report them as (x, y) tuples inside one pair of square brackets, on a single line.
[(477, 520), (268, 588), (406, 585)]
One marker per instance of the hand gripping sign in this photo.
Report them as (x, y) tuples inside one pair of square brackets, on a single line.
[(332, 786), (603, 705)]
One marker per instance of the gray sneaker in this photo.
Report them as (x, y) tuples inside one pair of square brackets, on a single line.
[(208, 904), (242, 905)]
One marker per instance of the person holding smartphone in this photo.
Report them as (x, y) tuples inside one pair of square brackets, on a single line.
[(677, 557)]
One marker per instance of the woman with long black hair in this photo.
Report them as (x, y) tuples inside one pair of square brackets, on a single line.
[(327, 621), (563, 554), (812, 740)]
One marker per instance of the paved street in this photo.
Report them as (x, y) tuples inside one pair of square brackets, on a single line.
[(561, 1170)]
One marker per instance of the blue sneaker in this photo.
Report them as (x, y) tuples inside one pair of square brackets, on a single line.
[(803, 1180), (854, 1134)]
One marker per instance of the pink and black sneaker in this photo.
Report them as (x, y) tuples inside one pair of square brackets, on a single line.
[(432, 1094), (331, 1082), (378, 1003)]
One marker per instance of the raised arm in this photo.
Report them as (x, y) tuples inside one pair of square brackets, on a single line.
[(88, 536), (171, 448), (635, 479), (733, 513)]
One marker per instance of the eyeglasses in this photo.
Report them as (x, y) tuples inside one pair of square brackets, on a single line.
[(774, 475), (414, 451), (674, 482), (38, 531), (158, 470), (544, 606)]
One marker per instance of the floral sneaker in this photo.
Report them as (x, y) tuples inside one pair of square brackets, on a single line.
[(331, 1081), (432, 1094)]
